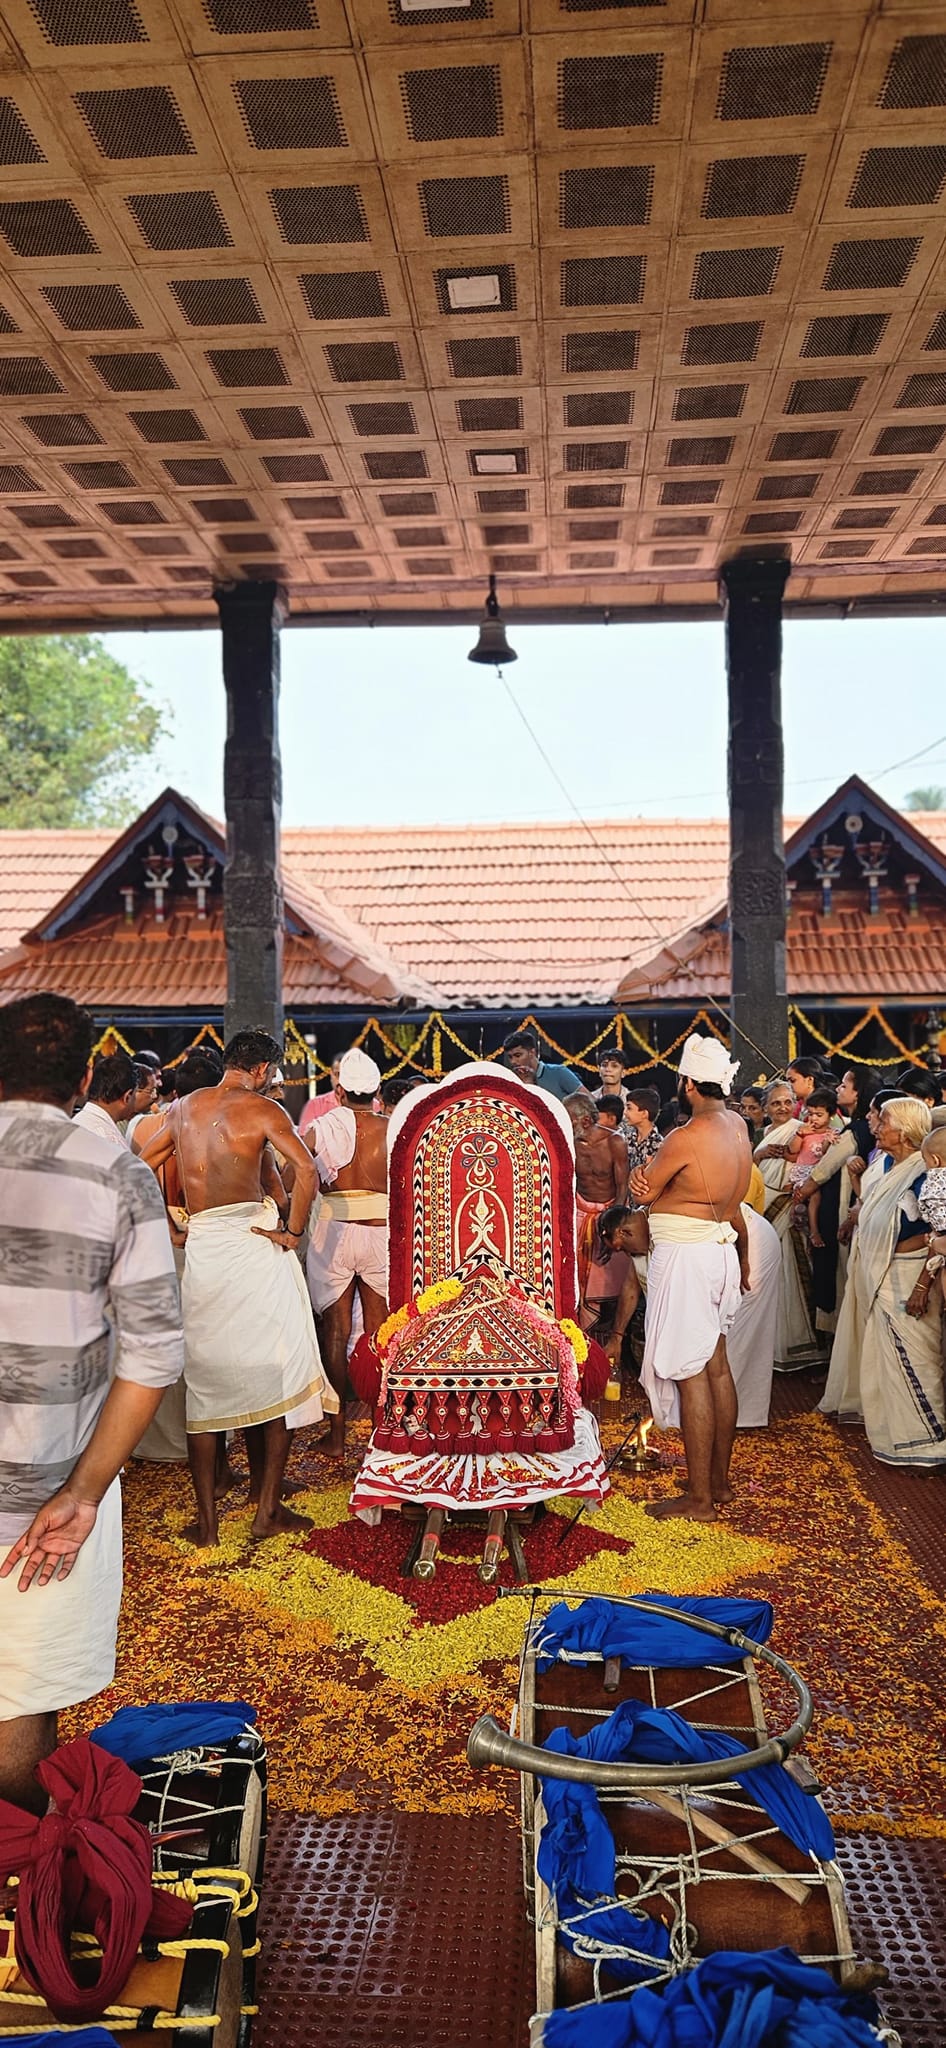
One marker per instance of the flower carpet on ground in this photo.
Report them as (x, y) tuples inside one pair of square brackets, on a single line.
[(367, 1683)]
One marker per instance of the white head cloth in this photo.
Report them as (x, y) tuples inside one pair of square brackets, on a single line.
[(358, 1074), (705, 1059)]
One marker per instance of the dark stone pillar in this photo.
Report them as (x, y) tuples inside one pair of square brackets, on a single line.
[(752, 593), (250, 617)]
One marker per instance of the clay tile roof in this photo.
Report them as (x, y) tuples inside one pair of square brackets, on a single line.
[(503, 916)]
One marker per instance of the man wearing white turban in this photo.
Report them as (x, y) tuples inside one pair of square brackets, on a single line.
[(348, 1245), (698, 1269)]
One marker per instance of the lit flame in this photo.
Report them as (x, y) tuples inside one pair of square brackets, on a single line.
[(643, 1432)]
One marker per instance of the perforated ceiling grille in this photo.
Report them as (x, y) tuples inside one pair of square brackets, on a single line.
[(398, 465), (772, 83), (75, 22), (179, 220), (319, 213), (581, 455), (884, 483), (813, 446), (606, 350), (598, 408), (17, 144), (239, 369), (134, 372), (452, 104), (296, 469), (45, 227), (100, 476), (609, 92), (593, 497), (871, 266), (732, 341), (845, 334), (62, 430), (710, 401), (916, 440), (465, 206), (916, 74), (193, 470), (602, 281), (136, 121), (91, 308), (22, 375), (260, 17), (217, 301), (168, 426), (617, 196), (926, 388), (488, 415), (735, 273), (502, 501), (291, 113), (345, 294), (276, 422), (485, 356), (823, 394), (365, 362), (936, 337), (751, 187), (900, 177)]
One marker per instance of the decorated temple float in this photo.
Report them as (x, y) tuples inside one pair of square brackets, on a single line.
[(480, 1378), (662, 1822)]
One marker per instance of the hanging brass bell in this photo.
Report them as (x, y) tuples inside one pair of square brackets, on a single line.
[(492, 648)]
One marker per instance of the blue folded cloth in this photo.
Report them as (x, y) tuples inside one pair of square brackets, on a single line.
[(611, 1630), (137, 1734), (769, 2000)]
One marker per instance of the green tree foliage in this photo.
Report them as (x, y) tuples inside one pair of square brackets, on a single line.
[(74, 728), (931, 799)]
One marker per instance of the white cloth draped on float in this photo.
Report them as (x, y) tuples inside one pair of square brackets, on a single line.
[(750, 1345), (249, 1336), (796, 1342), (499, 1481), (886, 1366), (692, 1297)]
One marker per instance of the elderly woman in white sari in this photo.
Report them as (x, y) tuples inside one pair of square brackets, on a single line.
[(887, 1364), (796, 1342)]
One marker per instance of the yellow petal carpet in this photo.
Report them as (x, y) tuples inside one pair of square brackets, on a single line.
[(367, 1683)]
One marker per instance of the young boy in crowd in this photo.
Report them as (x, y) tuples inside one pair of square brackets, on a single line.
[(804, 1150)]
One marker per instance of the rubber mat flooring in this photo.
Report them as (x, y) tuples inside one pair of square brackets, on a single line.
[(408, 1930)]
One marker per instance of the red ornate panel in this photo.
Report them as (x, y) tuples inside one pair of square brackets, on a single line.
[(481, 1173)]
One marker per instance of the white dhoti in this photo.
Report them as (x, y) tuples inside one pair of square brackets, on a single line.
[(344, 1247), (750, 1345), (692, 1298), (59, 1640), (252, 1352)]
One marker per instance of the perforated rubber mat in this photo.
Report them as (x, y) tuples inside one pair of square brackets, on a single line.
[(409, 1932)]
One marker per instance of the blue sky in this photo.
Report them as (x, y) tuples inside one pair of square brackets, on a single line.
[(394, 726)]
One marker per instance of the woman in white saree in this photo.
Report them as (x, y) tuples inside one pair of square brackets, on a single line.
[(887, 1363)]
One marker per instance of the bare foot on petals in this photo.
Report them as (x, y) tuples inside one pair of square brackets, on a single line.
[(682, 1507), (280, 1524)]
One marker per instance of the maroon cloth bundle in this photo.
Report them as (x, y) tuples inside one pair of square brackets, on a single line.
[(85, 1867)]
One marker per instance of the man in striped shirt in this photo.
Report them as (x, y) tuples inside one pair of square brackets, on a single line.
[(82, 1226)]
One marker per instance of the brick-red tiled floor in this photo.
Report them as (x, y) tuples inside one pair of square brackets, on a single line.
[(408, 1931)]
